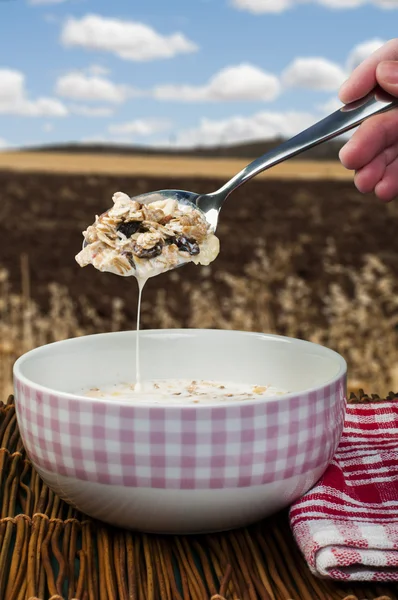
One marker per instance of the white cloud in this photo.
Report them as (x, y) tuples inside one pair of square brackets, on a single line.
[(48, 127), (240, 82), (248, 82), (262, 6), (260, 126), (3, 144), (104, 139), (141, 127), (263, 125), (91, 111), (314, 74), (317, 73), (78, 86), (358, 3), (362, 51), (279, 6), (330, 106), (98, 70), (129, 40), (13, 99)]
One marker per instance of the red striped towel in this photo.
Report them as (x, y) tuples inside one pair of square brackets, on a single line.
[(347, 525)]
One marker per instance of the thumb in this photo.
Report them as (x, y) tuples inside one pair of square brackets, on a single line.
[(387, 76)]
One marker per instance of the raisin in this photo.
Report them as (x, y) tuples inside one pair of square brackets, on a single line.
[(128, 228), (147, 252), (129, 257), (170, 240), (187, 245)]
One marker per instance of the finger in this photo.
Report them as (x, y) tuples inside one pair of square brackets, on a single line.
[(363, 79), (369, 176), (387, 76), (372, 137), (387, 189)]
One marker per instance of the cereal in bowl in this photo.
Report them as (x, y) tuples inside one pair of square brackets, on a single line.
[(184, 391)]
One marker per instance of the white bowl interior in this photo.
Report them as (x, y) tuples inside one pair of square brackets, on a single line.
[(232, 356)]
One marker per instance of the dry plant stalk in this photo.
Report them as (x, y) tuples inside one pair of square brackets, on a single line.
[(356, 315)]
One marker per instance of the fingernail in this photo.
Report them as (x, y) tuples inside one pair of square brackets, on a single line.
[(388, 71), (343, 84), (346, 145), (341, 90)]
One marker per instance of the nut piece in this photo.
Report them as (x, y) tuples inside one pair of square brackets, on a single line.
[(153, 214), (259, 389)]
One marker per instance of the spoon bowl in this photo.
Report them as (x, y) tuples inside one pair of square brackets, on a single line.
[(182, 197)]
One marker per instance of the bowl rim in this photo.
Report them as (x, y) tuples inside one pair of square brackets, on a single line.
[(17, 374)]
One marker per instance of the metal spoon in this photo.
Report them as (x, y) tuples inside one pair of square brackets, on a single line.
[(344, 119)]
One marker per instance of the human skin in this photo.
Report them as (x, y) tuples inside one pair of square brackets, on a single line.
[(372, 152)]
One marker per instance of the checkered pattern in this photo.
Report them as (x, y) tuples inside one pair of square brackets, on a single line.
[(347, 525), (205, 447)]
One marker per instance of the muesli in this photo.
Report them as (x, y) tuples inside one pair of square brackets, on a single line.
[(146, 239)]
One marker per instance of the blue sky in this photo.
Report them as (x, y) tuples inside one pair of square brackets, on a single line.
[(179, 72)]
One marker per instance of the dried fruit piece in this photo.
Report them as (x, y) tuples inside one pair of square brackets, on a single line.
[(187, 245), (128, 228), (147, 252), (170, 240)]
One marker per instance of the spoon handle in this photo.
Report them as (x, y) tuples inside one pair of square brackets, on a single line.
[(344, 119)]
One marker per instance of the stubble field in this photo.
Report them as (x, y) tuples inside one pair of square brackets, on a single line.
[(305, 256)]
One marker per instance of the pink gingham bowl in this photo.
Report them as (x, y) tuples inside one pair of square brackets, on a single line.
[(180, 469)]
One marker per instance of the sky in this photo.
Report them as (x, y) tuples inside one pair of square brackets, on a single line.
[(178, 72)]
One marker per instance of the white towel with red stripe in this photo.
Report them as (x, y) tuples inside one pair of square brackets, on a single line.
[(347, 525)]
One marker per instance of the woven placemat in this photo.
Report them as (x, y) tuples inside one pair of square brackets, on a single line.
[(49, 550)]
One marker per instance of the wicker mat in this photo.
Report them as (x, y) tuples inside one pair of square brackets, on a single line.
[(48, 550)]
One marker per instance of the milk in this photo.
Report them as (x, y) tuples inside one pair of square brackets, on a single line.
[(183, 391)]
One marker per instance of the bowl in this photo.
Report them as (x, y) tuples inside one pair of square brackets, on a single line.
[(180, 469)]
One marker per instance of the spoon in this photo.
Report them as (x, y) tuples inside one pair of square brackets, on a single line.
[(344, 119)]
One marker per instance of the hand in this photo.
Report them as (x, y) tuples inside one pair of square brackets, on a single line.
[(373, 149)]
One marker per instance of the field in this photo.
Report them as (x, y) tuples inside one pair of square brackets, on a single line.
[(162, 166), (305, 256)]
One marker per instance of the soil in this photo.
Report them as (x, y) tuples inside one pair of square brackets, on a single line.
[(43, 215)]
